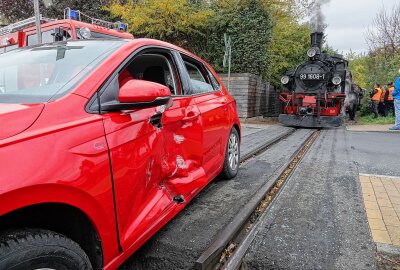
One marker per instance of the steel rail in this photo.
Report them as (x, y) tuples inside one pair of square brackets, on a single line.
[(211, 256)]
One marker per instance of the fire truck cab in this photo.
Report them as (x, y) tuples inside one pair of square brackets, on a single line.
[(72, 27)]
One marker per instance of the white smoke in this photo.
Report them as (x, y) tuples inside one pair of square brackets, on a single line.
[(317, 17)]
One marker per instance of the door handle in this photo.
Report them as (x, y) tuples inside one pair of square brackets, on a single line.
[(190, 116)]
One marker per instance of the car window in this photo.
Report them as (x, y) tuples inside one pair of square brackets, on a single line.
[(198, 82), (154, 67), (36, 74), (213, 80), (150, 66)]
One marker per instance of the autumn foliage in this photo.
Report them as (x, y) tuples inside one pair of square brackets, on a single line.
[(267, 38)]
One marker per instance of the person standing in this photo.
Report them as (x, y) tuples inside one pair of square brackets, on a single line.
[(389, 98), (396, 101), (376, 98), (382, 106)]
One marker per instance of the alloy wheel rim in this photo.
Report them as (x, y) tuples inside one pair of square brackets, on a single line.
[(233, 152)]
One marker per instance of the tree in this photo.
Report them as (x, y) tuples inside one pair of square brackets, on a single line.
[(384, 33), (290, 42), (199, 26), (16, 10), (250, 27), (175, 21)]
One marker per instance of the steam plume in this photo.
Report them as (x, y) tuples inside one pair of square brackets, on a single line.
[(317, 17)]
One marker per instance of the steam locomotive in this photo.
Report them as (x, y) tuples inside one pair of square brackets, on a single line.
[(314, 94)]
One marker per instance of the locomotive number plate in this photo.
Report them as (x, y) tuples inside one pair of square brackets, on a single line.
[(313, 76)]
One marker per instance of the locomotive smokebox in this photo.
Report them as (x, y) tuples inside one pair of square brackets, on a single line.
[(316, 39)]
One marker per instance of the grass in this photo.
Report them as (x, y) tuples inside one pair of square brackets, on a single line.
[(370, 120)]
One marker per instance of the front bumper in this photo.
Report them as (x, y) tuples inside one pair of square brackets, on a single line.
[(310, 121)]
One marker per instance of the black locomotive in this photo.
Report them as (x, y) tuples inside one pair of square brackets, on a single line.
[(314, 94)]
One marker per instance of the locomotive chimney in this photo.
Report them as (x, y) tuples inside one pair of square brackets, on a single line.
[(316, 39)]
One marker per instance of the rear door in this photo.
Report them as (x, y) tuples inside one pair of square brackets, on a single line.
[(213, 107)]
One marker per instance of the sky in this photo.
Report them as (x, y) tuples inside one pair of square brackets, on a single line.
[(347, 22)]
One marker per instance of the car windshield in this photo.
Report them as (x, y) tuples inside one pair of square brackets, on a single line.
[(38, 74)]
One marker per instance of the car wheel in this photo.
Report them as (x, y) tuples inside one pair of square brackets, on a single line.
[(232, 156), (40, 249)]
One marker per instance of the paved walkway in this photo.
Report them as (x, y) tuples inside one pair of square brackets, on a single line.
[(370, 128), (382, 203)]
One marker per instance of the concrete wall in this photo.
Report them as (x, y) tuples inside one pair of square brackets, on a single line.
[(254, 97)]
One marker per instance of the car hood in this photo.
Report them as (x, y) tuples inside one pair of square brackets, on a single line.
[(15, 118)]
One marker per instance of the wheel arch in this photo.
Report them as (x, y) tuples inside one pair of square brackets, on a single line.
[(64, 210), (237, 127)]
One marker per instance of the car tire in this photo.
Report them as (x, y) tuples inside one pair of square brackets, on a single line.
[(40, 249), (232, 156)]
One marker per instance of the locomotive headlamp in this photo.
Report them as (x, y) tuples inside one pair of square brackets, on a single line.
[(312, 52), (285, 80), (336, 80), (85, 32)]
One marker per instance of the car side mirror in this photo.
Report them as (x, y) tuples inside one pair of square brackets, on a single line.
[(139, 94)]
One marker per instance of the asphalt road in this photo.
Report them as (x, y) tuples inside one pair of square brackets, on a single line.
[(318, 220), (376, 152), (182, 241)]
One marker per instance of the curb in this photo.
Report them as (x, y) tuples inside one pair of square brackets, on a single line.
[(388, 249), (375, 131)]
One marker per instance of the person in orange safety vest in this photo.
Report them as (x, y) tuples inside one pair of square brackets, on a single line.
[(389, 99), (376, 98), (382, 106)]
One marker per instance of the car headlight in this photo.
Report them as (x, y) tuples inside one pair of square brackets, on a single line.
[(285, 80), (312, 52), (336, 80), (85, 32)]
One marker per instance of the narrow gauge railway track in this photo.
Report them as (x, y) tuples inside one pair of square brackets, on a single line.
[(256, 148), (217, 208), (229, 248)]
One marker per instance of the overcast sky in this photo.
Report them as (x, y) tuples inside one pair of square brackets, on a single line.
[(348, 19)]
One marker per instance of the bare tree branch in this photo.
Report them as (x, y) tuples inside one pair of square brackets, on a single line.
[(384, 32)]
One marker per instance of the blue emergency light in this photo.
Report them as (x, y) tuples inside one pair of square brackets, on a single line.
[(122, 27), (73, 14)]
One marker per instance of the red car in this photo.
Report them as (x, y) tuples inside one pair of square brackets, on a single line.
[(102, 142)]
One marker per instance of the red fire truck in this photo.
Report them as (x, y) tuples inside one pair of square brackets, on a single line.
[(75, 25)]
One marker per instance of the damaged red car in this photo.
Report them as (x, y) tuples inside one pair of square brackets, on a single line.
[(102, 142)]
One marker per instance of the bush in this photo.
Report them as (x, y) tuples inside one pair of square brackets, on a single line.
[(366, 107), (249, 25)]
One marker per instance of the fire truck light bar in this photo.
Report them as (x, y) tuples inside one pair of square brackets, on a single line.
[(77, 15), (122, 27), (72, 14)]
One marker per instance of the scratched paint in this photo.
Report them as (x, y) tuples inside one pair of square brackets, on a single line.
[(149, 170), (178, 138), (180, 163)]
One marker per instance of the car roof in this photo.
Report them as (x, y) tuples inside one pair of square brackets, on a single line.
[(154, 42)]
